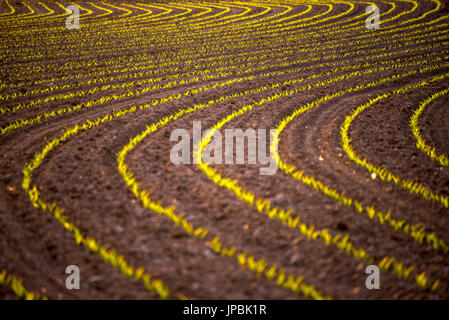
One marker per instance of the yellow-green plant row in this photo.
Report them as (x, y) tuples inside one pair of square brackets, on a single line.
[(264, 205), (414, 187)]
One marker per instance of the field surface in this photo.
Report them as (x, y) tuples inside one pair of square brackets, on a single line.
[(361, 143)]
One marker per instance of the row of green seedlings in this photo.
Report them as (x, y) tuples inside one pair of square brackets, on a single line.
[(46, 115)]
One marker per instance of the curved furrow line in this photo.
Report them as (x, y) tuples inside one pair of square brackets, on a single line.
[(60, 111)]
